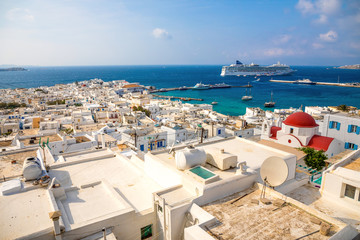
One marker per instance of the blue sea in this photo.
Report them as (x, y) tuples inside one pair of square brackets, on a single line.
[(229, 100)]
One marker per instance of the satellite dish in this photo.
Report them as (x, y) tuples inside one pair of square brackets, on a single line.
[(274, 171)]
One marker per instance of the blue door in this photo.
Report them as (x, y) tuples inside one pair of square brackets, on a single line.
[(142, 148)]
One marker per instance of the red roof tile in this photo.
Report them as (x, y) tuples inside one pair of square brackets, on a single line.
[(320, 143), (274, 131)]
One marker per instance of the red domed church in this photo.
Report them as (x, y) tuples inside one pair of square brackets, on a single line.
[(299, 130)]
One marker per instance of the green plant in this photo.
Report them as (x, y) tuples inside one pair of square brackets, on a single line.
[(343, 107), (141, 109), (314, 158), (11, 105), (55, 102)]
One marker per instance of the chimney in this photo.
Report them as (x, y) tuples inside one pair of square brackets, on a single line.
[(55, 216), (103, 140)]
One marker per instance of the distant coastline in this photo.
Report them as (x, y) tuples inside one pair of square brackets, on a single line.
[(12, 69), (355, 66)]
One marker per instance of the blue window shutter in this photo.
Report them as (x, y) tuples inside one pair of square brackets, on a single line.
[(331, 124), (219, 131), (358, 130), (141, 147), (346, 145), (349, 128), (338, 126), (355, 147)]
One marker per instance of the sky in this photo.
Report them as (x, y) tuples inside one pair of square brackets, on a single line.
[(181, 32)]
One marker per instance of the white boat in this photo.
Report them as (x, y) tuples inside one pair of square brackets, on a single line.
[(240, 69), (214, 103), (271, 103), (221, 85), (305, 82), (247, 97), (200, 86)]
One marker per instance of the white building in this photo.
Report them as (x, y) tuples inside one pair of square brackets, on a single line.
[(139, 197), (343, 128), (341, 182), (175, 135), (300, 130)]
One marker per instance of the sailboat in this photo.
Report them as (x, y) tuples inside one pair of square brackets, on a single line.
[(271, 103), (247, 97)]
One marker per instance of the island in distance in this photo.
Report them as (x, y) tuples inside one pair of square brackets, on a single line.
[(13, 69), (355, 66)]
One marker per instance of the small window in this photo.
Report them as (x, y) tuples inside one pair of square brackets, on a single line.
[(291, 130), (146, 232), (350, 191)]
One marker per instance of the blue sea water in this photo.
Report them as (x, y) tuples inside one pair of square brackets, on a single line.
[(229, 99)]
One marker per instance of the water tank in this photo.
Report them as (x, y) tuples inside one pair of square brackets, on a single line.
[(190, 157), (221, 159), (31, 168)]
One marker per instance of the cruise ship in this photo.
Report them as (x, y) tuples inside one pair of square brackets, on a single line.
[(240, 69)]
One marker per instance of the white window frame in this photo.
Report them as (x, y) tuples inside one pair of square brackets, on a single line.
[(356, 196)]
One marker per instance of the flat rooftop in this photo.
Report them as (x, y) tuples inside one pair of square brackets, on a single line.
[(52, 138), (246, 220), (24, 213), (91, 202), (311, 196), (90, 127), (9, 169), (354, 165), (299, 154), (253, 153), (29, 132), (128, 180)]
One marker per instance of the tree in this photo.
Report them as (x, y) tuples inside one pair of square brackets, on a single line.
[(343, 107), (314, 158)]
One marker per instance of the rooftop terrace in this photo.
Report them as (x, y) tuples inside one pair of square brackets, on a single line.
[(246, 220), (52, 138), (354, 165), (9, 169)]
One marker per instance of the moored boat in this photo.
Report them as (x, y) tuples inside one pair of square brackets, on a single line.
[(305, 82), (247, 97), (271, 103), (200, 86)]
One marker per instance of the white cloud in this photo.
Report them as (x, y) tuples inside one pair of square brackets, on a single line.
[(328, 6), (330, 36), (282, 39), (278, 52), (161, 33), (317, 45), (322, 19), (318, 6), (17, 14), (305, 6)]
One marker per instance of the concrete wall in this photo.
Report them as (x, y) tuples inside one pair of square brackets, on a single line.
[(223, 188)]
